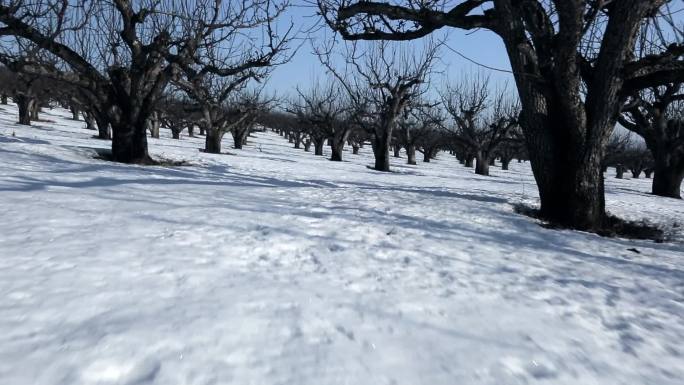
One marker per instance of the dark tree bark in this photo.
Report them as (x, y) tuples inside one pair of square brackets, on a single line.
[(129, 143), (75, 112), (505, 162), (635, 173), (25, 105), (619, 171), (668, 175), (307, 145), (381, 150), (397, 150), (647, 173), (355, 149), (212, 143), (469, 160), (411, 154), (104, 130), (3, 99), (191, 130), (318, 146)]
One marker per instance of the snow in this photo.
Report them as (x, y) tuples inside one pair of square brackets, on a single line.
[(270, 265)]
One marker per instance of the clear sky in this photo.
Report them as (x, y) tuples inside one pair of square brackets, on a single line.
[(481, 46)]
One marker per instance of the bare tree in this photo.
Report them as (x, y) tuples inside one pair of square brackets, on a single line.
[(657, 115), (481, 122), (385, 79), (573, 63), (122, 54)]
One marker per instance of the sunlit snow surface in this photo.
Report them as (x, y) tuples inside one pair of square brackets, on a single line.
[(274, 266)]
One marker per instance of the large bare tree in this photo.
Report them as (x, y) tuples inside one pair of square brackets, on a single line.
[(573, 62)]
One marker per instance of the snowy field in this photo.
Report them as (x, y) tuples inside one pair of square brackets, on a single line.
[(272, 266)]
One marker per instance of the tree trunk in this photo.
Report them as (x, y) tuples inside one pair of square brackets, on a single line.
[(381, 150), (153, 125), (411, 154), (482, 164), (212, 142), (104, 130), (307, 145), (426, 155), (647, 173), (397, 150), (129, 143), (336, 150), (469, 161), (90, 121), (35, 110), (297, 140), (505, 162), (191, 130), (175, 133), (492, 161), (635, 173), (25, 105), (355, 149), (619, 171), (668, 175), (75, 112), (237, 140), (318, 147), (202, 131), (3, 99)]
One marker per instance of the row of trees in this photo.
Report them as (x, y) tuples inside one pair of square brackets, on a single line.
[(118, 59), (578, 66)]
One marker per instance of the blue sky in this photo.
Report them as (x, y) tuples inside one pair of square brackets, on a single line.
[(481, 46)]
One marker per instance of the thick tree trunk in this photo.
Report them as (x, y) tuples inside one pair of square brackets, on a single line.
[(647, 173), (492, 161), (175, 133), (411, 154), (668, 175), (355, 149), (336, 150), (635, 173), (397, 150), (104, 130), (426, 155), (25, 105), (619, 171), (297, 140), (129, 143), (3, 99), (307, 145), (482, 164), (505, 162), (469, 160), (212, 142), (75, 112), (381, 150), (237, 140), (318, 147), (191, 130)]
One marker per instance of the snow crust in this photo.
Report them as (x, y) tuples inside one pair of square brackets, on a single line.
[(273, 266)]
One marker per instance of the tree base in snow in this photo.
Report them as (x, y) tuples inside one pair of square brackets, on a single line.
[(613, 227)]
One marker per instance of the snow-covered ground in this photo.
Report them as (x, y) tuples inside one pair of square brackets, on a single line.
[(273, 266)]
